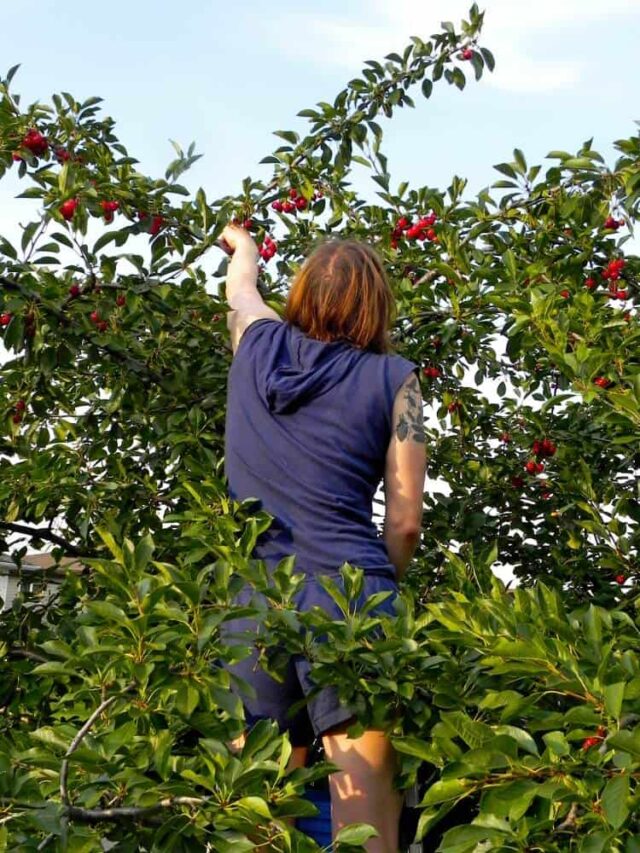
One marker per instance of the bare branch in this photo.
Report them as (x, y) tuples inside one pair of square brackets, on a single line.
[(27, 654), (49, 536), (75, 743), (96, 815), (570, 821)]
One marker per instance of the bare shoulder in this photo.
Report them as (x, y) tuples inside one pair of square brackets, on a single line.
[(246, 309)]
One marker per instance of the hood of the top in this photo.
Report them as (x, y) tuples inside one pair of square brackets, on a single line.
[(305, 368)]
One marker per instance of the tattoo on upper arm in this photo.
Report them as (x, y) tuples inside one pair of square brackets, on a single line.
[(410, 423)]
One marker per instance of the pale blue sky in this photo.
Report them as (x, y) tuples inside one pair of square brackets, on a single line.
[(227, 75)]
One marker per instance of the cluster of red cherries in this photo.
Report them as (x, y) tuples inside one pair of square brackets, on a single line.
[(611, 273), (421, 230), (267, 249), (541, 449), (294, 202), (432, 372), (588, 742), (98, 322), (612, 224)]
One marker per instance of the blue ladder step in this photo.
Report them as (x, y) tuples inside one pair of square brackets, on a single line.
[(317, 827)]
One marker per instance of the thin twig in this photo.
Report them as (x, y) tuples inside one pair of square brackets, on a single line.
[(570, 821), (75, 743), (27, 654)]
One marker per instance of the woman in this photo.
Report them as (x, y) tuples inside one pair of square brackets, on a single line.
[(318, 412)]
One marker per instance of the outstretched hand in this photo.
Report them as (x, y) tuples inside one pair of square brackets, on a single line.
[(235, 238)]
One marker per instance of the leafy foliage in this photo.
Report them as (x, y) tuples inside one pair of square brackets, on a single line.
[(117, 713)]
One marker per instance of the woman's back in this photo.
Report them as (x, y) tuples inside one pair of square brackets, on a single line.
[(308, 427)]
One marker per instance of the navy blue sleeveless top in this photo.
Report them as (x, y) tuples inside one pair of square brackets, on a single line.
[(307, 428)]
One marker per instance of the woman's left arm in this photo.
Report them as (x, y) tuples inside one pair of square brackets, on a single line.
[(243, 296)]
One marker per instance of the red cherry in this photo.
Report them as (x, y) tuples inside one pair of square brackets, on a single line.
[(109, 207), (74, 291), (453, 407), (5, 319), (157, 223), (622, 294), (36, 143), (590, 283), (16, 157), (548, 447), (16, 418), (539, 467), (121, 299), (247, 225), (530, 467), (293, 193), (602, 381), (611, 223), (432, 372), (288, 207), (588, 742), (403, 223), (20, 405), (94, 316), (565, 294), (467, 53), (62, 155), (68, 208), (277, 206), (620, 579), (414, 232), (394, 243), (102, 325), (431, 234), (301, 203)]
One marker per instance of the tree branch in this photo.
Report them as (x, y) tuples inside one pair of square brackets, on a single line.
[(96, 815), (75, 743), (49, 536), (27, 654)]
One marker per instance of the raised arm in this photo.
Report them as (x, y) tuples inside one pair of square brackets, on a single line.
[(404, 476), (243, 297)]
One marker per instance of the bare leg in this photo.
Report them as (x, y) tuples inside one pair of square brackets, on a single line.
[(297, 759), (362, 791)]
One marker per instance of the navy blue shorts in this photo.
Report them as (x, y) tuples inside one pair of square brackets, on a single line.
[(273, 699)]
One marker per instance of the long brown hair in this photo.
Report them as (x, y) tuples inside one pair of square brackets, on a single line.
[(341, 292)]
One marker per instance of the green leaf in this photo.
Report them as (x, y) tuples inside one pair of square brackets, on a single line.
[(441, 792), (414, 746), (287, 135), (187, 698), (356, 834), (521, 737), (614, 801), (613, 696), (143, 552), (110, 542), (557, 743)]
